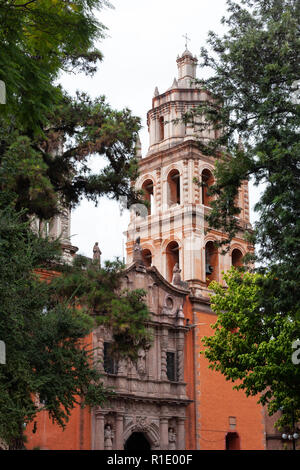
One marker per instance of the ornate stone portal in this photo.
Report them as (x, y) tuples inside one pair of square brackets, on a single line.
[(151, 394)]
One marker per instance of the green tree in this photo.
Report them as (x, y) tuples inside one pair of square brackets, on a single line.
[(42, 173), (46, 139), (47, 136), (39, 39), (254, 89), (253, 348), (44, 326)]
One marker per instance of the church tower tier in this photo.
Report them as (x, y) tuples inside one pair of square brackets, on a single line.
[(172, 228)]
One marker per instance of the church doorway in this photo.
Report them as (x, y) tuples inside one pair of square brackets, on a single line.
[(137, 441)]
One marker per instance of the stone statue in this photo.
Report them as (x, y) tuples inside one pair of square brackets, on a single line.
[(141, 362), (96, 253), (108, 437), (176, 280), (172, 439), (137, 251), (176, 275)]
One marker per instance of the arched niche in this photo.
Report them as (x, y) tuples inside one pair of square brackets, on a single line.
[(161, 128), (208, 180), (172, 257)]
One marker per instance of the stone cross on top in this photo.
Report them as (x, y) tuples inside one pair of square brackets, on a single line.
[(185, 36)]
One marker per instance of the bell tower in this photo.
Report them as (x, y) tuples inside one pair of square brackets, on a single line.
[(172, 229)]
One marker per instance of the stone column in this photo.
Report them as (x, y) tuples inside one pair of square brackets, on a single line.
[(158, 191), (185, 183), (180, 356), (119, 445), (196, 197), (99, 351), (164, 345), (99, 432), (164, 433), (180, 434)]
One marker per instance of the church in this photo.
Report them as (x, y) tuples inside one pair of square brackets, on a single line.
[(169, 399)]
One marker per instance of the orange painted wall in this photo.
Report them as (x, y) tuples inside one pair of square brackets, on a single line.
[(49, 436), (216, 400), (189, 378)]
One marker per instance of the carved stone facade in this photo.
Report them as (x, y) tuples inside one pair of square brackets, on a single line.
[(149, 400)]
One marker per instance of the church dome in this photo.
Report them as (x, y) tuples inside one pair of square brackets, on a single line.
[(187, 53)]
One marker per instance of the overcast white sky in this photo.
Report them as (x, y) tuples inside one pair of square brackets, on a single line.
[(144, 39)]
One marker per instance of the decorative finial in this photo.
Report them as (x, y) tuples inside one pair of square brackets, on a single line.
[(138, 147), (156, 92)]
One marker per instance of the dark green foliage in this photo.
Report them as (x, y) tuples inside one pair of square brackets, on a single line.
[(252, 345), (98, 291), (46, 140), (39, 39), (44, 328), (42, 338), (40, 171), (47, 137), (255, 89)]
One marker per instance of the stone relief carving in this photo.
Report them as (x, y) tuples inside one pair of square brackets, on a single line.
[(122, 367), (168, 306), (143, 424), (145, 379), (141, 362)]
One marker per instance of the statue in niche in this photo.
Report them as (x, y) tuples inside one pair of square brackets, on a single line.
[(108, 437), (96, 253), (141, 362), (172, 439)]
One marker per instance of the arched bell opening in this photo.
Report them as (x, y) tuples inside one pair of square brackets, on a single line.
[(147, 188), (147, 257), (236, 258), (173, 182), (211, 262)]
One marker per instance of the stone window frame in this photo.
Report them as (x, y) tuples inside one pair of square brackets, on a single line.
[(112, 362)]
